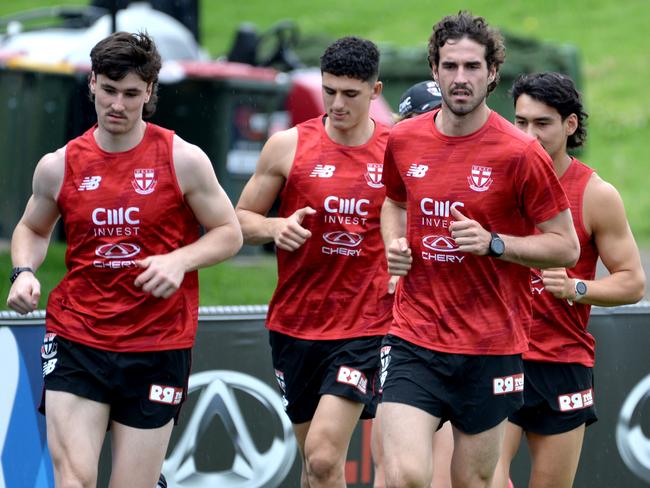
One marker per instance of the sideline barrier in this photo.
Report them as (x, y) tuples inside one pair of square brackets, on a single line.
[(233, 432)]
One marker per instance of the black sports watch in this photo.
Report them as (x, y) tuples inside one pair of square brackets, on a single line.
[(497, 246), (16, 271)]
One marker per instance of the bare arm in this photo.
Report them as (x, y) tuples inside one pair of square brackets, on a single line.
[(557, 245), (163, 274), (261, 191), (604, 214), (32, 234)]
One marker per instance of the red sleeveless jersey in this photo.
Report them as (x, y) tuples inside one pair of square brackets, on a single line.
[(559, 331), (118, 208), (335, 285), (452, 301)]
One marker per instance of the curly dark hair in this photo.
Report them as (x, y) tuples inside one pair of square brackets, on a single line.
[(353, 57), (122, 53), (558, 91), (475, 28)]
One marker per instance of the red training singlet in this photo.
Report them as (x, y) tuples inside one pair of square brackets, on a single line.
[(335, 285), (118, 208), (559, 331), (452, 301)]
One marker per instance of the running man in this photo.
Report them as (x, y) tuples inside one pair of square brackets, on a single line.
[(466, 192), (121, 324), (331, 307), (559, 364)]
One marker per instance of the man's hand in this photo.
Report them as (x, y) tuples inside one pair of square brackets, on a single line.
[(399, 257), (24, 293), (470, 236), (558, 283), (392, 284), (162, 275), (289, 235)]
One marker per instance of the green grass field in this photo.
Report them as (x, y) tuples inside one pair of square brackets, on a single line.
[(609, 35)]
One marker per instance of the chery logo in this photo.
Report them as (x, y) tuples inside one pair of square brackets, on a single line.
[(117, 251), (340, 238), (440, 243)]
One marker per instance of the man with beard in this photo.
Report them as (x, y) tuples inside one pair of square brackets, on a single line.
[(466, 192)]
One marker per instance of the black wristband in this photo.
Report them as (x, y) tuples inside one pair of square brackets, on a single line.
[(16, 271)]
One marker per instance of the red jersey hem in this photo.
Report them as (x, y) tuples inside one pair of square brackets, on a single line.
[(128, 348), (322, 337), (457, 350)]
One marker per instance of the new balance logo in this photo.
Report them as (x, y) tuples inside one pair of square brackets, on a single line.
[(90, 183), (417, 170), (323, 171)]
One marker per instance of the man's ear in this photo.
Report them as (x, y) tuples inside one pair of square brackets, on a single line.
[(377, 88), (571, 124), (92, 82)]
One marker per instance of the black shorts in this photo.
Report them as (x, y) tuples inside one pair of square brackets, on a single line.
[(144, 389), (475, 393), (306, 370), (558, 397)]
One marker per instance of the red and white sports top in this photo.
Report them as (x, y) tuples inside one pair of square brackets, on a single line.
[(117, 208), (335, 285), (452, 301), (559, 331)]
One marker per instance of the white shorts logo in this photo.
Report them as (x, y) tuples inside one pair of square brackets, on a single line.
[(352, 377), (170, 395), (48, 366), (575, 401), (48, 349), (508, 384), (385, 361)]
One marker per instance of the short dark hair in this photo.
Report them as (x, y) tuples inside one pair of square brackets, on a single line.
[(475, 28), (122, 53), (558, 91), (353, 57)]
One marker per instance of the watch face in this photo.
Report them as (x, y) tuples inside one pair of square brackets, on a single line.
[(581, 288), (497, 246)]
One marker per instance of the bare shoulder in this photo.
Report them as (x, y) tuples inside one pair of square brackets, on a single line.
[(186, 153), (278, 153), (603, 204), (49, 173), (193, 167)]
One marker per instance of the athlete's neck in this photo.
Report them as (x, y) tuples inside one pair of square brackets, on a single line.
[(115, 142), (453, 125), (357, 135), (561, 163)]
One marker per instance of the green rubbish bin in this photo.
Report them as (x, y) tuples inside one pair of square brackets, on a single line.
[(34, 120), (229, 110)]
